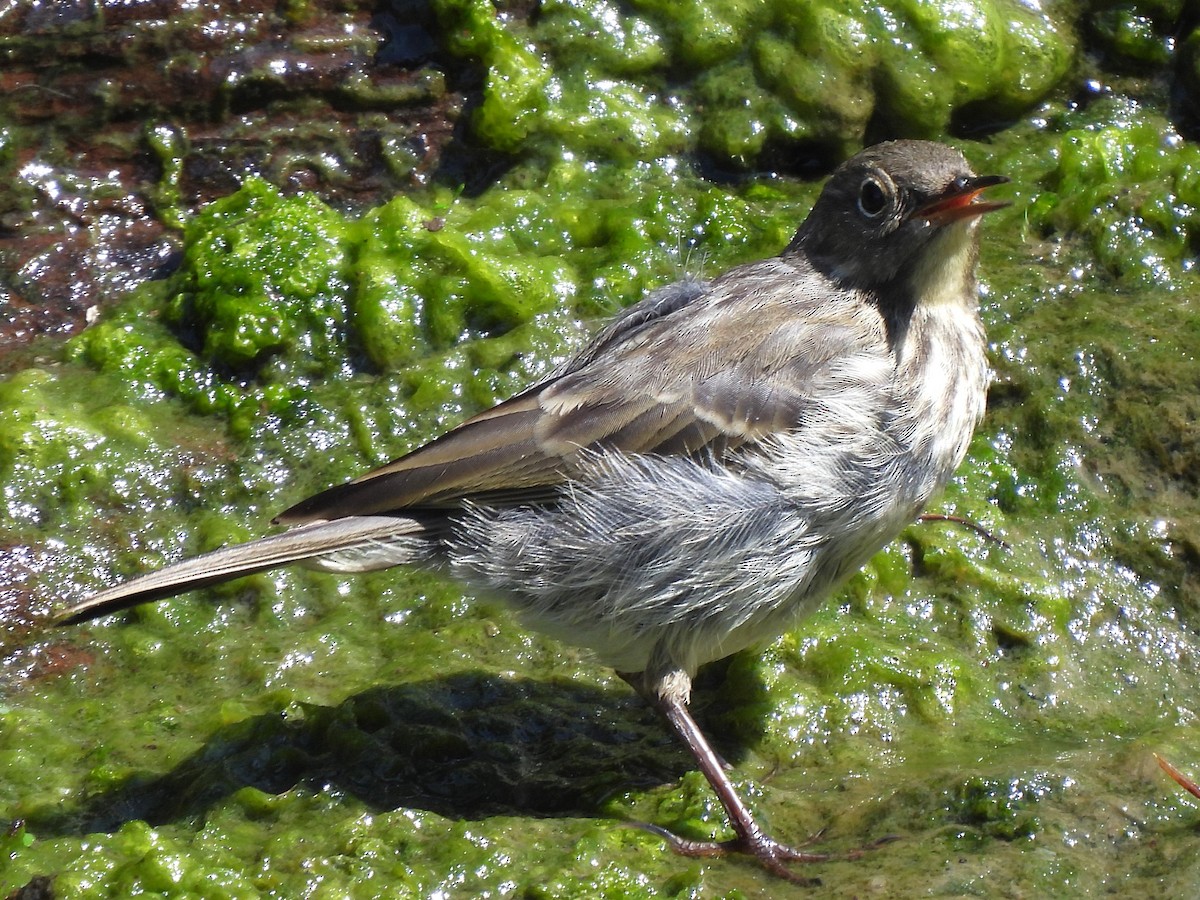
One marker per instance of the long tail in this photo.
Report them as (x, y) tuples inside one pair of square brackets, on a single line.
[(351, 535)]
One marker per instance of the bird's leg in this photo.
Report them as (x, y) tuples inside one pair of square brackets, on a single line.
[(966, 523), (669, 694)]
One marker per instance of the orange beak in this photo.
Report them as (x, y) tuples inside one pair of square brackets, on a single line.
[(960, 201)]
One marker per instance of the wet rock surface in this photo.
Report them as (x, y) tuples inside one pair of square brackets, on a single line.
[(345, 100)]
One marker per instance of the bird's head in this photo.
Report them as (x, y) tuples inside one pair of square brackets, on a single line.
[(899, 213)]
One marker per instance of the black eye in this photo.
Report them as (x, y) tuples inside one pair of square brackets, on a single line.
[(871, 199)]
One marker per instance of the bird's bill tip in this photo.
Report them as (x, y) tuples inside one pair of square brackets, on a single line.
[(963, 202)]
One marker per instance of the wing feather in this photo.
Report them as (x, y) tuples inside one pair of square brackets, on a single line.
[(652, 381)]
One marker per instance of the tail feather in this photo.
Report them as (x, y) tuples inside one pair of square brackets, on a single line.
[(306, 542)]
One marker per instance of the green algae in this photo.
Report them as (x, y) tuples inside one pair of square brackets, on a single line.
[(826, 74), (1148, 227), (1137, 36), (295, 734)]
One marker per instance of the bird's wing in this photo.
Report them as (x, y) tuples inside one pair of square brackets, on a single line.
[(692, 369)]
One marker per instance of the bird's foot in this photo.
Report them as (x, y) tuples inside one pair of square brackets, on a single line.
[(769, 852)]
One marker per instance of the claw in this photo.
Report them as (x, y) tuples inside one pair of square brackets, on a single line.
[(750, 840), (768, 851)]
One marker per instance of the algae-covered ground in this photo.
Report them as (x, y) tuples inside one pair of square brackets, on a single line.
[(994, 708)]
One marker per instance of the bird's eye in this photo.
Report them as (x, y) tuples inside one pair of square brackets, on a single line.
[(871, 198)]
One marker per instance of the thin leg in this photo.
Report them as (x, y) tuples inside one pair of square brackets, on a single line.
[(750, 837), (668, 688), (966, 523)]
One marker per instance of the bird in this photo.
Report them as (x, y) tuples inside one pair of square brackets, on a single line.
[(708, 468)]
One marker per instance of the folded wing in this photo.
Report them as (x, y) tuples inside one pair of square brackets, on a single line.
[(676, 374)]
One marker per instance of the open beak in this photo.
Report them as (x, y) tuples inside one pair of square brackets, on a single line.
[(960, 201)]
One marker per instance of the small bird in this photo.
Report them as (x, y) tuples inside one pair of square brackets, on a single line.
[(710, 466)]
